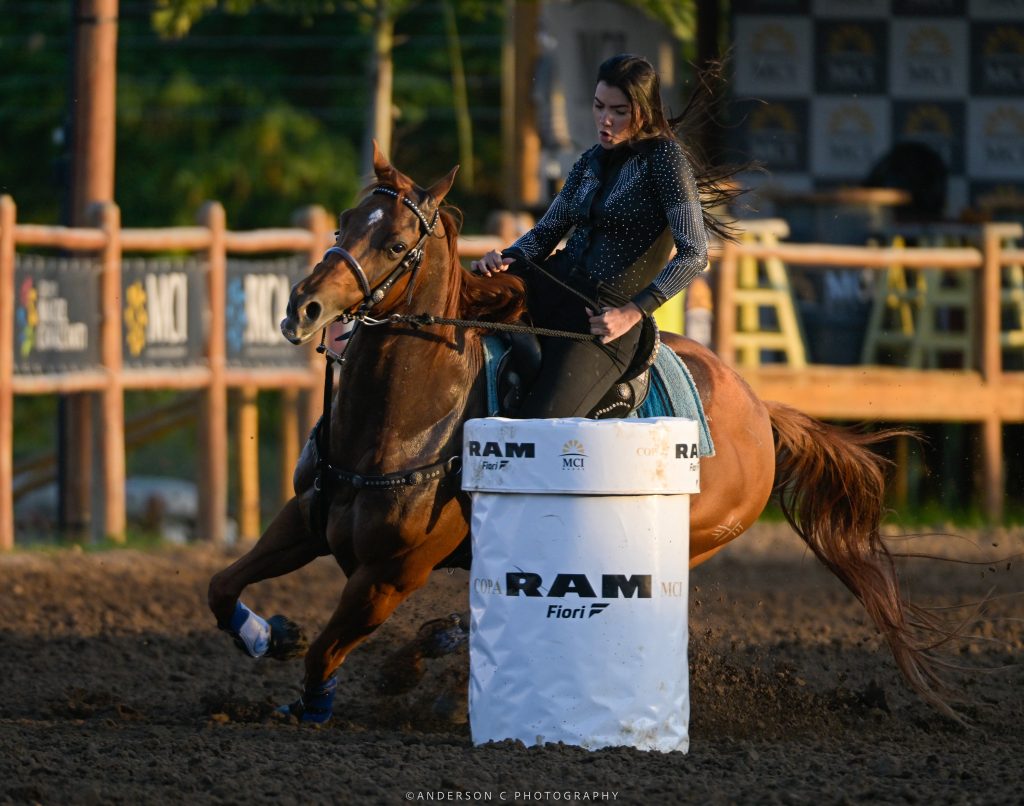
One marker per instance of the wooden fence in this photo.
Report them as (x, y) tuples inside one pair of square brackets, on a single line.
[(212, 379), (985, 395)]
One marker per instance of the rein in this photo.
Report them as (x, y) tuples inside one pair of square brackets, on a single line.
[(326, 474)]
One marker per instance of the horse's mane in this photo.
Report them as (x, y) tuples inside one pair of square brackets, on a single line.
[(499, 298)]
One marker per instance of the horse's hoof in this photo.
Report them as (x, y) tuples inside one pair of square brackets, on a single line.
[(443, 636), (287, 640), (314, 707)]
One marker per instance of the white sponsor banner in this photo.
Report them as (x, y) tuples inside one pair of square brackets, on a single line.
[(777, 56), (570, 455), (995, 138), (928, 58), (578, 631), (850, 134)]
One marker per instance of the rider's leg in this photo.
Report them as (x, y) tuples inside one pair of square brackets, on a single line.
[(574, 376)]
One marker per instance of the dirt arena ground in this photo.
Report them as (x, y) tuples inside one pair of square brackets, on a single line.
[(118, 689)]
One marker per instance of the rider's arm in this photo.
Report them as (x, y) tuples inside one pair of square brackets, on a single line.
[(539, 242), (676, 189)]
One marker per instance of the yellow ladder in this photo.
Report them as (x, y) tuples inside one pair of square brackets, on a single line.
[(766, 320), (924, 318), (1012, 295)]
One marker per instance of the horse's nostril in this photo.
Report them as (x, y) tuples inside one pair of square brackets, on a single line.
[(312, 311)]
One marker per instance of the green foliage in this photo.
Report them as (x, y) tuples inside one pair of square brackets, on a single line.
[(260, 109), (176, 17), (679, 17)]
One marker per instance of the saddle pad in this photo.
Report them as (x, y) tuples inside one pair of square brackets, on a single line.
[(674, 394)]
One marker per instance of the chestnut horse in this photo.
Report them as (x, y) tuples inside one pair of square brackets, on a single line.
[(406, 394)]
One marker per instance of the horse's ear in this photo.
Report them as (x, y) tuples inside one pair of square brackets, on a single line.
[(382, 167), (440, 188)]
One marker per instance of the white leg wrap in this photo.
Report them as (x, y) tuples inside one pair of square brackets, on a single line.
[(254, 633)]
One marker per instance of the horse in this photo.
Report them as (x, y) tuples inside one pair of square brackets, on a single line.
[(394, 513)]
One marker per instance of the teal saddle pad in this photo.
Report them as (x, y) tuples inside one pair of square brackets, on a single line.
[(672, 394)]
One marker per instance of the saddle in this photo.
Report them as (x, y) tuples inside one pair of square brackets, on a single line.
[(519, 365)]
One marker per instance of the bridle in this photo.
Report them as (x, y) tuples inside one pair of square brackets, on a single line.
[(409, 264)]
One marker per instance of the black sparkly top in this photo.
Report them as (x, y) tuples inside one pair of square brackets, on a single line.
[(626, 207)]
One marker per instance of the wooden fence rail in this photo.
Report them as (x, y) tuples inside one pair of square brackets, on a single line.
[(108, 242), (985, 395)]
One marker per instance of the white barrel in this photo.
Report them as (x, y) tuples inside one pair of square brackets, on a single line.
[(579, 580)]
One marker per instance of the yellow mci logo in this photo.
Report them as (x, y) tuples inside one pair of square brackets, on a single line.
[(1003, 67), (135, 318), (156, 312), (774, 49), (929, 58), (928, 119), (573, 455)]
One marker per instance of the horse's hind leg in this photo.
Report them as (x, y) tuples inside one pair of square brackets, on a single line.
[(285, 546)]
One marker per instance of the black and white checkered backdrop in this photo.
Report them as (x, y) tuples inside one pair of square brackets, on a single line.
[(824, 88)]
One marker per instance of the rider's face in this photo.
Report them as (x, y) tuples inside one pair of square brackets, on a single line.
[(613, 115)]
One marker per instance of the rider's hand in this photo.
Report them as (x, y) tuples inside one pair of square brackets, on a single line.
[(614, 322), (491, 263)]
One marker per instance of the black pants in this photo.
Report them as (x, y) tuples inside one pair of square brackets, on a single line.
[(574, 375)]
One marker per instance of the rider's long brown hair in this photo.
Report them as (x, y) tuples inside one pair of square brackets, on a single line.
[(640, 83)]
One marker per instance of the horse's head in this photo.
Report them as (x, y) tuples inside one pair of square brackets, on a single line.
[(379, 242)]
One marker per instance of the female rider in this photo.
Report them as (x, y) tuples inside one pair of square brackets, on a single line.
[(628, 199)]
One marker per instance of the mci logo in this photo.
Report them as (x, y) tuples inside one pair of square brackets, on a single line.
[(573, 455)]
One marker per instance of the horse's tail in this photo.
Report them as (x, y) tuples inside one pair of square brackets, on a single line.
[(831, 488)]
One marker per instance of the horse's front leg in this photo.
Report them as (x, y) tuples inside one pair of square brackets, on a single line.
[(370, 596), (285, 546)]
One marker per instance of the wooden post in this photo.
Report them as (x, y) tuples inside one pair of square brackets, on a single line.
[(93, 137), (111, 409), (725, 304), (93, 119), (248, 457), (8, 213), (991, 372), (213, 448), (520, 140)]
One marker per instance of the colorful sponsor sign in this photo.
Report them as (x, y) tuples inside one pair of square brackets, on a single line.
[(162, 312), (56, 314), (257, 296)]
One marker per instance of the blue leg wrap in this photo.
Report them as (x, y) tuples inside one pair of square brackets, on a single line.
[(316, 705), (251, 632)]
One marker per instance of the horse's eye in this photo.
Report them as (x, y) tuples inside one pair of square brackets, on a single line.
[(396, 249)]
